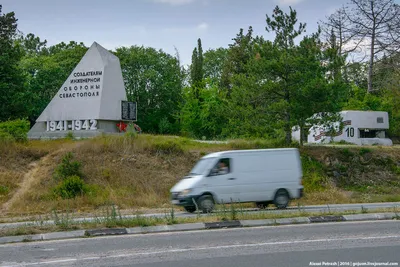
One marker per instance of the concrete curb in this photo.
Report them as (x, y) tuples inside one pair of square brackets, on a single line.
[(197, 226)]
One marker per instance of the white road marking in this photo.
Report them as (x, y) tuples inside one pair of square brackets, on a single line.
[(41, 262), (126, 255)]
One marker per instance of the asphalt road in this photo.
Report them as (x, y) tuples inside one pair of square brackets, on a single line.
[(294, 245), (316, 208)]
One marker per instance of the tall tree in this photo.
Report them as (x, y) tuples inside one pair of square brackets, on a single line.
[(154, 80), (338, 25), (214, 60), (11, 79), (315, 93), (32, 45), (376, 23), (340, 40), (196, 69), (286, 31), (239, 54)]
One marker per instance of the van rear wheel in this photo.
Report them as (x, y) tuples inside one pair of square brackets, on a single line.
[(190, 209), (206, 203), (281, 200)]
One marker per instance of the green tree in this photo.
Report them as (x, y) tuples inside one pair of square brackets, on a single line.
[(32, 45), (239, 53), (284, 26), (214, 60), (153, 79), (196, 69), (282, 84), (46, 69), (11, 78), (315, 93), (206, 118)]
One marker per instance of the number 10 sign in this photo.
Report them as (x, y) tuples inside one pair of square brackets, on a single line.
[(75, 125)]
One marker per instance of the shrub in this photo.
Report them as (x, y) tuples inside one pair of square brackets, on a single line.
[(18, 129), (164, 126), (364, 151), (314, 178), (68, 167), (131, 131), (70, 136), (6, 137), (4, 190), (346, 153), (71, 187)]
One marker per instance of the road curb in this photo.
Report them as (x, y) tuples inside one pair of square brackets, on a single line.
[(329, 218), (198, 226)]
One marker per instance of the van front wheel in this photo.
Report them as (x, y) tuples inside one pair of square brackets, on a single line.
[(206, 203), (281, 199)]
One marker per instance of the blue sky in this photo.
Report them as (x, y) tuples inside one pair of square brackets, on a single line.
[(161, 24)]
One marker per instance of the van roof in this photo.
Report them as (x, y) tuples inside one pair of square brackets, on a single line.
[(220, 153)]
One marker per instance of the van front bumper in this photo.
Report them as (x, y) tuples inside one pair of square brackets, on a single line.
[(183, 201)]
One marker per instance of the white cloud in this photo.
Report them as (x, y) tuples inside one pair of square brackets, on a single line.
[(203, 26), (288, 2), (174, 2)]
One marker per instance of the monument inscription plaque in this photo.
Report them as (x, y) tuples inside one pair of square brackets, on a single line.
[(129, 111)]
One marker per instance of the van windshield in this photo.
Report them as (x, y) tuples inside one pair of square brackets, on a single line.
[(202, 166)]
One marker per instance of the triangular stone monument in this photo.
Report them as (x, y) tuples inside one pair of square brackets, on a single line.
[(89, 102)]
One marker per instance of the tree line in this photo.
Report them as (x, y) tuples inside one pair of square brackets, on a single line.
[(254, 88)]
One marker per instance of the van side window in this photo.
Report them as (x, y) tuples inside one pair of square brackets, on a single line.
[(223, 167)]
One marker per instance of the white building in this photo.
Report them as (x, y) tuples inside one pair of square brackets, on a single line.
[(360, 127)]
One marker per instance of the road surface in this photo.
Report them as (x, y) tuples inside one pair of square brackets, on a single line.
[(294, 245), (316, 208)]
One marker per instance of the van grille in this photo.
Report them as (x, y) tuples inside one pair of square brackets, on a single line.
[(174, 195)]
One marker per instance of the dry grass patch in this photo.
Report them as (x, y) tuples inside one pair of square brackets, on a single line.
[(9, 181), (330, 195), (137, 172)]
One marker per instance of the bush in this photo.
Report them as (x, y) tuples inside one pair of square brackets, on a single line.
[(71, 187), (68, 167), (164, 126), (364, 151), (346, 153), (6, 137), (18, 129), (314, 178), (131, 131), (70, 136)]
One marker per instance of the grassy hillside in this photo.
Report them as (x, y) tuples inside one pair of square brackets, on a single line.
[(137, 172)]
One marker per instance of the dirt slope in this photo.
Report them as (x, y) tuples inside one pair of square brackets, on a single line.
[(137, 174)]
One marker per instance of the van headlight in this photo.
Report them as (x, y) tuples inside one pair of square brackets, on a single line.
[(185, 192)]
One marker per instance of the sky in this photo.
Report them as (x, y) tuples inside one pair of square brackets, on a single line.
[(162, 24)]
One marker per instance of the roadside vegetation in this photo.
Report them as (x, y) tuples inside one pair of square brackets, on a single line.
[(240, 93), (111, 217), (137, 172)]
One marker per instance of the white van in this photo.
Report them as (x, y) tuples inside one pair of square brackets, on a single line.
[(262, 176)]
